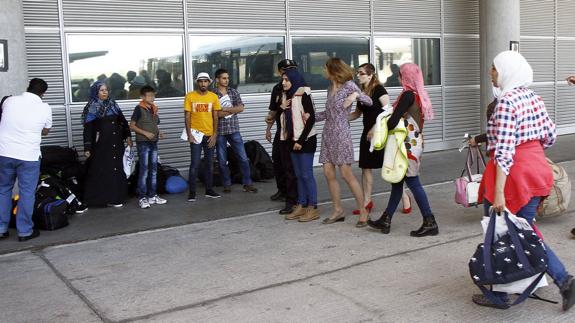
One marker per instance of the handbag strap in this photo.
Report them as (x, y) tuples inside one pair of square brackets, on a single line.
[(487, 242), (528, 291), (468, 164), (479, 159), (474, 156)]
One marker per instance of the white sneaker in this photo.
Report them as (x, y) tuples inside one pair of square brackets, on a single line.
[(144, 203), (157, 200), (115, 205)]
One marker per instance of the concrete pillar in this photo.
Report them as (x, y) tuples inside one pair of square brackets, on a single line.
[(15, 80), (498, 26)]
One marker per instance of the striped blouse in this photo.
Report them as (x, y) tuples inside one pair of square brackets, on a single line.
[(520, 116)]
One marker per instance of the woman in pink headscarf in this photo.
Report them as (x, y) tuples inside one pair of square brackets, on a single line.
[(414, 106)]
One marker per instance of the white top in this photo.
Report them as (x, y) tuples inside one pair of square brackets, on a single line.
[(23, 118)]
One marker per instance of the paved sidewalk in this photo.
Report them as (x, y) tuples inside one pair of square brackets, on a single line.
[(437, 167), (261, 268)]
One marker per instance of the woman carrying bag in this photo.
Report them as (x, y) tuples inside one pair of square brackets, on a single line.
[(414, 106), (517, 133)]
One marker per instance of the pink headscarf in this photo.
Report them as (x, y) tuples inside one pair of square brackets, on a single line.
[(412, 80)]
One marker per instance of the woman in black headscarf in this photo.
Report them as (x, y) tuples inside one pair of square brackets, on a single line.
[(105, 129)]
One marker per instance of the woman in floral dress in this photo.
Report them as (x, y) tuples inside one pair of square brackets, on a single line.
[(337, 145)]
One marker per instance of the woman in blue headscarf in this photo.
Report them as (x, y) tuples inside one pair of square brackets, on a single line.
[(298, 126), (105, 130)]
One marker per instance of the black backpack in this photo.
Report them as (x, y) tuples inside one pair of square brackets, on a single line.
[(234, 166), (217, 178), (263, 167), (63, 163), (58, 155)]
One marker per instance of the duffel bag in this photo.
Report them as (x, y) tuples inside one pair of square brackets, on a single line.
[(515, 255), (50, 214), (558, 200)]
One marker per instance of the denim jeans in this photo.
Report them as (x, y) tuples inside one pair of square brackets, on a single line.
[(418, 193), (28, 173), (196, 155), (148, 159), (555, 268), (306, 186), (235, 140)]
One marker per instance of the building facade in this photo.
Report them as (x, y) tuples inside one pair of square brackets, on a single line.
[(71, 43)]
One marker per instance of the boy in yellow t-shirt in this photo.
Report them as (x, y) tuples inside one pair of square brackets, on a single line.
[(202, 108)]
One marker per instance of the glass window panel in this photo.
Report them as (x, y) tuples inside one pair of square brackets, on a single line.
[(250, 60), (311, 53), (126, 63), (392, 52)]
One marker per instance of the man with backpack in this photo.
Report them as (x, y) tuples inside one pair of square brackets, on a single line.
[(25, 119)]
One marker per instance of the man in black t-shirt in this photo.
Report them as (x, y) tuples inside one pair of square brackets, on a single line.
[(283, 169)]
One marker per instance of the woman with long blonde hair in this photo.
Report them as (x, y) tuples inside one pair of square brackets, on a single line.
[(336, 145)]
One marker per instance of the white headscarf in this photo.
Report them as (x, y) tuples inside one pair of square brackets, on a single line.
[(496, 92), (514, 71)]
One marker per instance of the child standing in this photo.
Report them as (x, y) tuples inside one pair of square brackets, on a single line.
[(144, 123)]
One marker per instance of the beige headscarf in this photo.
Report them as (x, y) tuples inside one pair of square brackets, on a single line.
[(514, 71)]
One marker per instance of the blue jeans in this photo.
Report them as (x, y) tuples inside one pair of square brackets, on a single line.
[(28, 173), (196, 152), (147, 177), (555, 268), (418, 193), (235, 140), (306, 186)]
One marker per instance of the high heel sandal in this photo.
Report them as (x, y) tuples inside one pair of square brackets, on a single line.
[(407, 210), (338, 218), (360, 223), (368, 207)]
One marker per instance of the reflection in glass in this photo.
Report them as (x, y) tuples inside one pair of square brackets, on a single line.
[(392, 52), (126, 63), (251, 61), (311, 53)]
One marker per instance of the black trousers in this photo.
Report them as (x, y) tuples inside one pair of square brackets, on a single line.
[(286, 180)]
